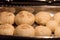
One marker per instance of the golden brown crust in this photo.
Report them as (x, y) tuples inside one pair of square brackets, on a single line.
[(42, 17), (24, 30), (57, 32), (6, 29), (6, 17), (24, 17), (52, 24), (57, 17), (42, 31)]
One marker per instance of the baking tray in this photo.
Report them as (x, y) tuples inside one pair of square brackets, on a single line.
[(51, 9), (43, 6), (24, 38)]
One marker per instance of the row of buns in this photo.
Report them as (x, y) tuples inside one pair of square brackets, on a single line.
[(28, 18), (25, 19), (27, 30)]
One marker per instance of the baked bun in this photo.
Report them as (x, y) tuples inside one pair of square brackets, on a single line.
[(42, 31), (6, 29), (57, 17), (24, 30), (24, 17), (57, 32), (52, 24), (6, 18), (42, 17)]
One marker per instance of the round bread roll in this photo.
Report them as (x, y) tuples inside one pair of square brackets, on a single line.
[(24, 30), (6, 29), (42, 31), (42, 17), (57, 17), (57, 32), (24, 17), (6, 18), (52, 24)]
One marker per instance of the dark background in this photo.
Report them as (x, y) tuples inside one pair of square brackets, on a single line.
[(25, 0)]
